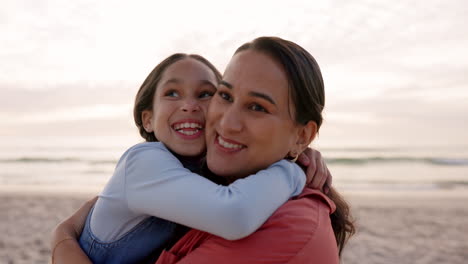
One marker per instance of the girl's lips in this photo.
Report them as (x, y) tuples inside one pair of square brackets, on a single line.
[(189, 133), (188, 129), (228, 145)]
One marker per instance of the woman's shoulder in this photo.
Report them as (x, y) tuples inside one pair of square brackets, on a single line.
[(297, 221), (301, 229), (304, 213), (298, 232)]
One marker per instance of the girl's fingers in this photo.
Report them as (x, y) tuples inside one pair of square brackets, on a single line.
[(311, 169), (303, 160), (328, 183), (323, 180), (320, 176)]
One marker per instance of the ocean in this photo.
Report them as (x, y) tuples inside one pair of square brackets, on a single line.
[(85, 165)]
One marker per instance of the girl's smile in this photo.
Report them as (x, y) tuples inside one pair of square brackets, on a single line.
[(189, 128)]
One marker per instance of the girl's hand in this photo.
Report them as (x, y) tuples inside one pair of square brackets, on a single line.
[(64, 244), (317, 173)]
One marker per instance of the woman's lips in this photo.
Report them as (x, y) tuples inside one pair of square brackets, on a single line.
[(228, 145)]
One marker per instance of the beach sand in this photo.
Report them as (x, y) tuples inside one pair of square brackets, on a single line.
[(424, 228)]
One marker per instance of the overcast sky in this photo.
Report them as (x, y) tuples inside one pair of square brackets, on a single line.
[(395, 71)]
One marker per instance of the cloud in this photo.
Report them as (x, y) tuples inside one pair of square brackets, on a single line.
[(43, 98), (383, 61)]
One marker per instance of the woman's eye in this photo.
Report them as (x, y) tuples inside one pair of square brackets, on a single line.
[(172, 94), (206, 95), (225, 96), (258, 108)]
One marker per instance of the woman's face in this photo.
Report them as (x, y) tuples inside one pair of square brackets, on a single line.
[(250, 119)]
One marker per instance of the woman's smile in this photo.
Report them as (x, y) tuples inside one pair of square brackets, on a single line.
[(228, 145)]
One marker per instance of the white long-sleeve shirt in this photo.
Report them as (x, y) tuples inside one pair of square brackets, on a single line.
[(150, 181)]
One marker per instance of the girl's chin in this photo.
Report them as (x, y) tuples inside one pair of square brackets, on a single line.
[(183, 151)]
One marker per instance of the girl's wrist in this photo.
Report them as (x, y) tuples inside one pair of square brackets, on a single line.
[(61, 242)]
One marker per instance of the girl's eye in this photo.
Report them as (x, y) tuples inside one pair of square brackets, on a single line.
[(205, 94), (171, 94), (258, 108), (225, 96)]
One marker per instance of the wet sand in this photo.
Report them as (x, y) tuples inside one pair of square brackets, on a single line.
[(423, 228)]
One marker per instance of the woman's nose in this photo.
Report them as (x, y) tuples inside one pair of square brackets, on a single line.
[(231, 121)]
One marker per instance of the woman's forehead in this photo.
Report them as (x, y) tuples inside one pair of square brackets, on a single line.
[(255, 70)]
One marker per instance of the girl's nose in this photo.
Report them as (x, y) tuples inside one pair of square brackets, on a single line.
[(191, 105)]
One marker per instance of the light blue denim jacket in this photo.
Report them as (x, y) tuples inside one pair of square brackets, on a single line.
[(151, 181)]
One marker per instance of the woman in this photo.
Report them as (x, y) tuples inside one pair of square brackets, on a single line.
[(268, 107), (283, 84)]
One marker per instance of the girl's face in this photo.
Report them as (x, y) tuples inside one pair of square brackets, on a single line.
[(180, 105), (250, 121)]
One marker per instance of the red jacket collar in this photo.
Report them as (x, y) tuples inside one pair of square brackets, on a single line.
[(313, 192)]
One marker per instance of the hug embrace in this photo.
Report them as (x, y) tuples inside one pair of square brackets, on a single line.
[(225, 174)]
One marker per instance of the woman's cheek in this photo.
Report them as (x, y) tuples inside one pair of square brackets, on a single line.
[(214, 111)]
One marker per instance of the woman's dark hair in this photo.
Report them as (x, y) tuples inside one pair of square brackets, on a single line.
[(306, 90), (145, 95)]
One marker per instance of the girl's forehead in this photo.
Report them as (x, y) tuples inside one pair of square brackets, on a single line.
[(188, 67), (187, 71)]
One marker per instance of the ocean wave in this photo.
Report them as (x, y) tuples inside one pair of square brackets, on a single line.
[(335, 160), (377, 160), (56, 160)]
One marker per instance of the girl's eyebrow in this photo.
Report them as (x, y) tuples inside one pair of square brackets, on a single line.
[(178, 81), (173, 80), (228, 85), (202, 82)]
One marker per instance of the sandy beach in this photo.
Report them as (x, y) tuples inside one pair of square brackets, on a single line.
[(424, 228)]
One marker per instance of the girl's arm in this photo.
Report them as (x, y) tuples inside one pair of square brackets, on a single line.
[(64, 243), (69, 250), (157, 184)]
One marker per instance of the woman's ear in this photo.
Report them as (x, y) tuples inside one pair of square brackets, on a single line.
[(306, 135), (147, 120)]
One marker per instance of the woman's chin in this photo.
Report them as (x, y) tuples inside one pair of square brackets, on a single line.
[(221, 169)]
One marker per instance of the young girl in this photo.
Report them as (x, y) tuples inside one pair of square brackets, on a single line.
[(154, 185)]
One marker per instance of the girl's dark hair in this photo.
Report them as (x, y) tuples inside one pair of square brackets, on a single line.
[(306, 90), (145, 95)]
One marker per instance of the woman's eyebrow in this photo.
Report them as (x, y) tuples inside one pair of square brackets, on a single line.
[(255, 94), (263, 96)]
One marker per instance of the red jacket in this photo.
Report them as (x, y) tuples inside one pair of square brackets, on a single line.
[(298, 232)]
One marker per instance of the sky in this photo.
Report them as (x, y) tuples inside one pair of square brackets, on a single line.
[(395, 72)]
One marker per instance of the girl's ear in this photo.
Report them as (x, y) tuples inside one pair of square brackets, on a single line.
[(306, 135), (147, 120)]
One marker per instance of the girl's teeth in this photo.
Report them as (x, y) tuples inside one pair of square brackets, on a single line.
[(188, 133), (228, 145), (187, 125)]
